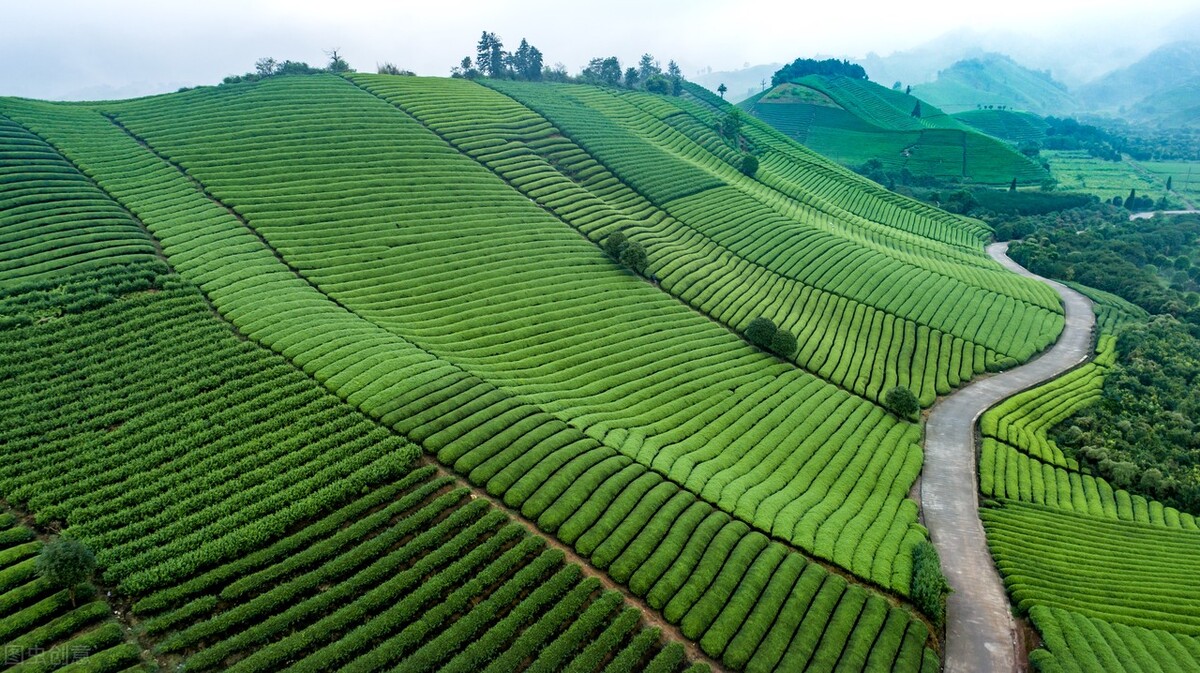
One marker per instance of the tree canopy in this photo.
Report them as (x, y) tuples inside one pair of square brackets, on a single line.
[(808, 66)]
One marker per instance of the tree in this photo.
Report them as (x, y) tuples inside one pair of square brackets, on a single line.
[(1168, 183), (731, 125), (603, 72), (722, 89), (761, 332), (916, 111), (749, 164), (631, 78), (783, 343), (615, 243), (647, 68), (658, 83), (389, 68), (464, 69), (489, 55), (902, 402), (1012, 186), (337, 64), (65, 564), (265, 67), (676, 77), (526, 62), (633, 255), (908, 90)]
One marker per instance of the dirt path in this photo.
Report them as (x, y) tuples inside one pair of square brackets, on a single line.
[(980, 634)]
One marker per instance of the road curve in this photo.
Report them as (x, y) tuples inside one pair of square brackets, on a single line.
[(980, 635)]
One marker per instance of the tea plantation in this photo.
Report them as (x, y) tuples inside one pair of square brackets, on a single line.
[(1107, 577), (351, 372)]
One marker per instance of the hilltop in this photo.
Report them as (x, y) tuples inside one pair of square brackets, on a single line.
[(854, 121), (1138, 85)]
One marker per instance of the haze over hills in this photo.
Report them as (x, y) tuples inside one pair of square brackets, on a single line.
[(996, 80), (1171, 71), (740, 84)]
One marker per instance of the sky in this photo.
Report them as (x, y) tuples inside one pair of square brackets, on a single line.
[(77, 49)]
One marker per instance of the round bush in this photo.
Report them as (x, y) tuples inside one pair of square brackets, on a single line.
[(902, 402), (761, 332)]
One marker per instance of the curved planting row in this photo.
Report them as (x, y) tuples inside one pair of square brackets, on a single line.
[(1078, 644), (519, 452), (1024, 419), (1108, 578), (1118, 571), (1008, 473), (213, 478), (806, 170), (53, 218), (551, 321), (856, 346), (43, 627), (689, 127)]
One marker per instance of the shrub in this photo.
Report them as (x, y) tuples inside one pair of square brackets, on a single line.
[(929, 586), (761, 332), (749, 164), (783, 343), (902, 402), (633, 255), (615, 243), (66, 563)]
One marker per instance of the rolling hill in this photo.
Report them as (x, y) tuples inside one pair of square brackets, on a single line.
[(854, 121), (1165, 69), (996, 80), (349, 371), (1007, 125)]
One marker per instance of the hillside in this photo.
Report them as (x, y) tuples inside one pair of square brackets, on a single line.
[(1007, 125), (336, 370), (1151, 87), (996, 80), (854, 121)]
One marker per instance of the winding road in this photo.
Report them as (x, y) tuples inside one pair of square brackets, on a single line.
[(980, 633)]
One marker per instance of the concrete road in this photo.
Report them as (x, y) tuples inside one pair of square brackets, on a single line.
[(980, 634)]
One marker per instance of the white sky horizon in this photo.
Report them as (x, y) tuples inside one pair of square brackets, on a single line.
[(75, 50)]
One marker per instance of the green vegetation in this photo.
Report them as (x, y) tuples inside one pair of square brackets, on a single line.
[(50, 620), (854, 121), (416, 281), (929, 584), (830, 67), (996, 81), (65, 564), (1076, 644)]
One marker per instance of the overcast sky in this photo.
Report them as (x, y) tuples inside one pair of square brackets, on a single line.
[(77, 49)]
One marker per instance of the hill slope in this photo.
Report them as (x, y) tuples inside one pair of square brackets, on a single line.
[(430, 253), (853, 121), (1165, 72), (997, 80)]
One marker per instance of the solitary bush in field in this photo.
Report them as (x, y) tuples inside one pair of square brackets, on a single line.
[(761, 332), (783, 343), (929, 586), (902, 402), (633, 255), (66, 564), (749, 164), (615, 242)]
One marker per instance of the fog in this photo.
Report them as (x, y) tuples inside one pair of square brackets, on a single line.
[(87, 50)]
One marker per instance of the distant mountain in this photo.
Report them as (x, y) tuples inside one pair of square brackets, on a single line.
[(1177, 107), (996, 80), (1165, 69), (741, 84)]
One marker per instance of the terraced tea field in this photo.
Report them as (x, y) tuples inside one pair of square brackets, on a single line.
[(335, 372), (853, 122), (1077, 171), (1107, 577)]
